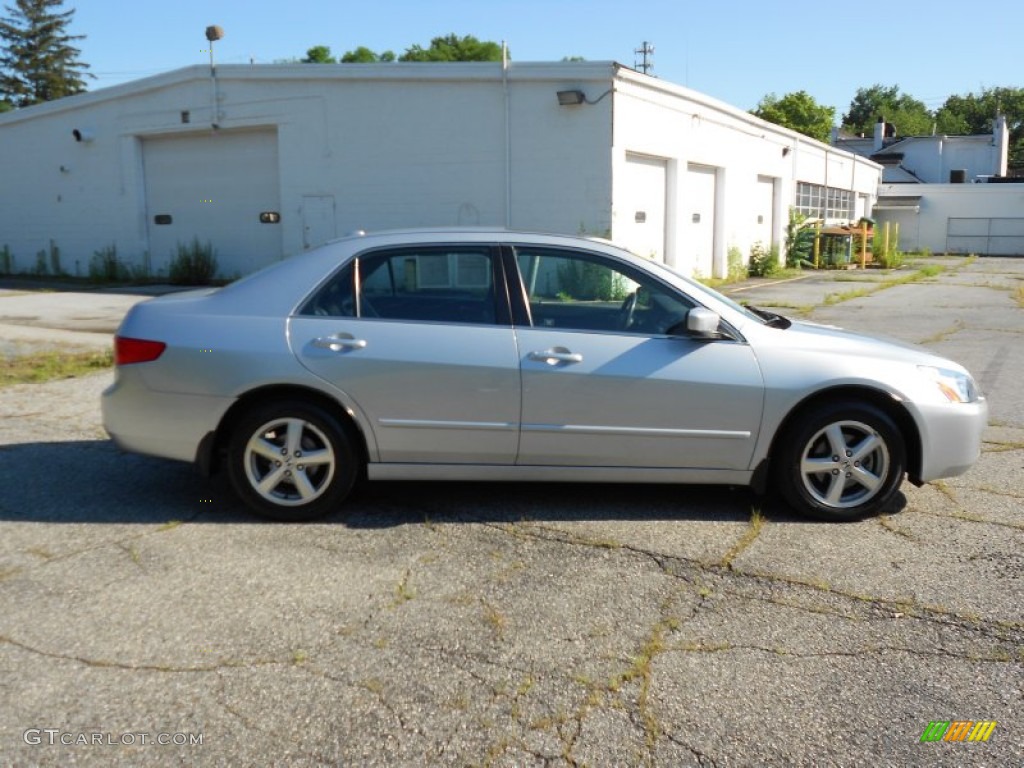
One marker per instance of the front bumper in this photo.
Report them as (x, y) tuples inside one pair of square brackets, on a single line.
[(951, 438)]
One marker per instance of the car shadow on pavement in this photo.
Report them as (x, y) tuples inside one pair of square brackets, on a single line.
[(91, 481)]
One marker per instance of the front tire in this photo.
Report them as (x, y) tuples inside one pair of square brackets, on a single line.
[(841, 461), (291, 461)]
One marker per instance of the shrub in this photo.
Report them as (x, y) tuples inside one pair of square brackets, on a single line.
[(763, 261), (195, 264)]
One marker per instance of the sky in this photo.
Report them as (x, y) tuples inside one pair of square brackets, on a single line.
[(736, 51)]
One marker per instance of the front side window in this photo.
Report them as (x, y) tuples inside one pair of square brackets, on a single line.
[(583, 291), (446, 285)]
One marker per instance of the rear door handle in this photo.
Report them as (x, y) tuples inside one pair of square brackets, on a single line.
[(556, 355), (339, 342)]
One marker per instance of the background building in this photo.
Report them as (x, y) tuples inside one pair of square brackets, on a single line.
[(265, 161), (947, 194)]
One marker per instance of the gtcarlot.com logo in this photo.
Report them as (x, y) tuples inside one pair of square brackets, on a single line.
[(55, 736), (958, 730)]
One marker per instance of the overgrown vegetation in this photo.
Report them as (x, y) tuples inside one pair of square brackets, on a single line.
[(799, 240), (52, 365), (763, 261), (104, 266), (737, 269), (886, 249), (195, 264)]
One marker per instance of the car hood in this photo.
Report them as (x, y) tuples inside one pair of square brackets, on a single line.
[(833, 340)]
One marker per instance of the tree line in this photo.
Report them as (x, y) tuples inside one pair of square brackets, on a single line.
[(960, 114)]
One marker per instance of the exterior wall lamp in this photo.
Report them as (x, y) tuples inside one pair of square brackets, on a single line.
[(575, 97)]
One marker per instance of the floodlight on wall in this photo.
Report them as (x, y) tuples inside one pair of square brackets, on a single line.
[(83, 135), (575, 97), (570, 98)]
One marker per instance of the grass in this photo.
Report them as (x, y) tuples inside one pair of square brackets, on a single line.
[(46, 366), (753, 531), (1018, 295)]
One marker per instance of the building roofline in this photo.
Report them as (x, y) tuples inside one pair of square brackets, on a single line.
[(579, 71)]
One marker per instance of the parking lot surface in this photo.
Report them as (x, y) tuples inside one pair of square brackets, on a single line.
[(512, 625)]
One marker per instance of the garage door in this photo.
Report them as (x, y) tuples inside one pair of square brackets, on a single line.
[(214, 186), (699, 218), (641, 227)]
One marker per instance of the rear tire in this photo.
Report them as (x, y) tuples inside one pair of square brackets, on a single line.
[(291, 461), (841, 461)]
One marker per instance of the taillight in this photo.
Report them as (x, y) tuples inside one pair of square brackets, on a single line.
[(128, 351)]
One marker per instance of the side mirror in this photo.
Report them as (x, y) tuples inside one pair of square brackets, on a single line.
[(702, 322)]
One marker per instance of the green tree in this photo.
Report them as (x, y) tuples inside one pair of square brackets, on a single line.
[(363, 55), (319, 54), (975, 113), (910, 116), (454, 48), (5, 106), (37, 60), (799, 112)]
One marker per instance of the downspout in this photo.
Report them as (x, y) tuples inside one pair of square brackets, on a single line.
[(508, 136), (213, 93)]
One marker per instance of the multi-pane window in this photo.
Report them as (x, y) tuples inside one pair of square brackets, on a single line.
[(824, 202)]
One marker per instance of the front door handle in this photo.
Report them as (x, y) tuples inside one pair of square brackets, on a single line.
[(556, 355), (339, 342)]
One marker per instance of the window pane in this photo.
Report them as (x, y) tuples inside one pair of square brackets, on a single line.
[(431, 285), (590, 293)]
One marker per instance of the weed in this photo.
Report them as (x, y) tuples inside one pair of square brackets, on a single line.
[(403, 592), (299, 656), (170, 525), (737, 269), (52, 365), (495, 619), (195, 264), (6, 260), (104, 265), (838, 298), (1018, 295), (763, 261), (753, 531)]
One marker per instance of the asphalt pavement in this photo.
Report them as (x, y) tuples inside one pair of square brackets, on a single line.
[(486, 624)]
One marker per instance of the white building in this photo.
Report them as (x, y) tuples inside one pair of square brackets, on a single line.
[(934, 159), (264, 161), (942, 191)]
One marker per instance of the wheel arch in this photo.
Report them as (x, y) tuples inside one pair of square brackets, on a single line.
[(889, 404), (210, 455)]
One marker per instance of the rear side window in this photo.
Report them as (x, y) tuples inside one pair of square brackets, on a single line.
[(445, 285)]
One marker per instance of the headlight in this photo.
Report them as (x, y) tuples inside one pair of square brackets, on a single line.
[(957, 387)]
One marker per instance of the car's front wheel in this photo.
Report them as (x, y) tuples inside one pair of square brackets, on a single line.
[(841, 461), (291, 461)]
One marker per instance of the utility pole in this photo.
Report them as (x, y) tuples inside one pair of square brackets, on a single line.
[(645, 51)]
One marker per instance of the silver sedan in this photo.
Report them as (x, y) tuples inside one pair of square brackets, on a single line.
[(496, 355)]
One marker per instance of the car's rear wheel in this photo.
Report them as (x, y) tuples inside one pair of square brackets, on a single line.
[(291, 461), (841, 461)]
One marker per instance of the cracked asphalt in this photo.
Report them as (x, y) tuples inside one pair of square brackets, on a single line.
[(549, 625)]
